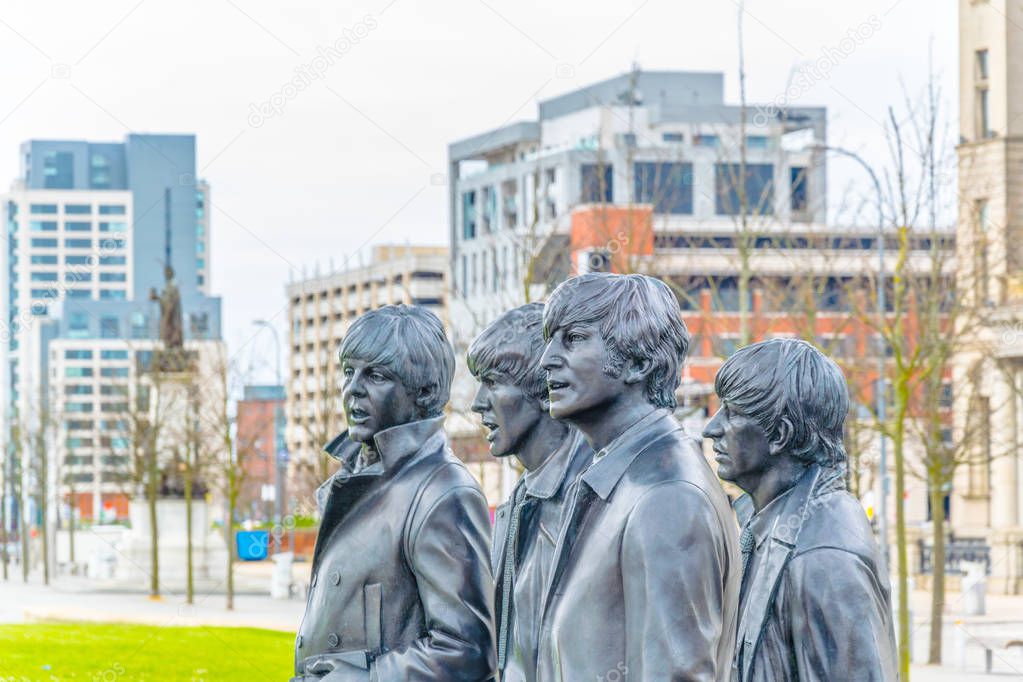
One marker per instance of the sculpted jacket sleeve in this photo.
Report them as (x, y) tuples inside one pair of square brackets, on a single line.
[(450, 555), (838, 618), (673, 566)]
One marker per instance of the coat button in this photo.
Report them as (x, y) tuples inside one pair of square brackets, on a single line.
[(335, 577), (333, 640), (298, 641)]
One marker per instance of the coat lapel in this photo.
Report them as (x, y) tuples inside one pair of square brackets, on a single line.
[(782, 541), (501, 518)]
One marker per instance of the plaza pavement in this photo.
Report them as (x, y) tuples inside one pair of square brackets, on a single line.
[(78, 599)]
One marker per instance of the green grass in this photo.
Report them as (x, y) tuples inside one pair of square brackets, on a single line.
[(118, 653)]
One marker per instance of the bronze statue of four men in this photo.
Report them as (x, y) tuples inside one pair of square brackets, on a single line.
[(618, 555)]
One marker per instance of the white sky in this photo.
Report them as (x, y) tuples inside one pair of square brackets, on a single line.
[(349, 160)]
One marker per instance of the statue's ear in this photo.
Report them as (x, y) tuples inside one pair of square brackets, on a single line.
[(637, 370), (426, 397), (782, 436)]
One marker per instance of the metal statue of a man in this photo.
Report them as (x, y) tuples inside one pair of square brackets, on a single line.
[(645, 580), (171, 327), (814, 601), (401, 586), (512, 403)]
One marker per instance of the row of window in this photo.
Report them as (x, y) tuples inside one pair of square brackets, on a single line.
[(684, 241), (108, 372), (77, 209), (76, 243), (74, 276), (89, 425), (76, 226), (86, 354), (353, 289), (87, 389), (666, 185), (52, 259), (104, 294), (77, 407)]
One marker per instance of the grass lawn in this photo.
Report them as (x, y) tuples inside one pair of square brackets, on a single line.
[(118, 653)]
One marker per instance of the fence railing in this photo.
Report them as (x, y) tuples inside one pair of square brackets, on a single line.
[(957, 551)]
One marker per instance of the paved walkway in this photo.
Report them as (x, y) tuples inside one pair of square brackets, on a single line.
[(77, 599)]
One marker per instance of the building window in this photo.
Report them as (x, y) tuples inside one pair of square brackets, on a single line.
[(77, 372), (469, 215), (112, 260), (668, 186), (111, 295), (44, 276), (77, 407), (109, 328), (711, 141), (673, 137), (42, 226), (79, 293), (41, 243), (757, 141), (113, 354), (77, 226), (113, 227), (78, 325), (199, 325), (43, 208), (77, 276), (489, 209), (797, 188), (112, 277), (58, 170), (77, 209), (758, 186), (139, 327), (597, 183), (113, 372), (77, 354), (44, 260), (111, 209), (76, 260), (79, 389), (983, 106), (78, 243), (981, 273)]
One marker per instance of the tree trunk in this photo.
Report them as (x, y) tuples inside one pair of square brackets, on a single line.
[(898, 448), (152, 487), (44, 510), (938, 570), (229, 532), (189, 582)]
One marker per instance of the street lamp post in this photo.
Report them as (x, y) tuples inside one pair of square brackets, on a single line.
[(280, 454), (882, 348)]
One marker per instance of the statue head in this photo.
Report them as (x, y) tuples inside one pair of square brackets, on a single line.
[(779, 398), (396, 366), (512, 396), (610, 334)]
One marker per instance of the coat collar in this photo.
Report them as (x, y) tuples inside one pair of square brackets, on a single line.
[(603, 475), (782, 527), (394, 445), (545, 481)]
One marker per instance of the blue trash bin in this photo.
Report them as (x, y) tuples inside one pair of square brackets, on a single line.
[(252, 544)]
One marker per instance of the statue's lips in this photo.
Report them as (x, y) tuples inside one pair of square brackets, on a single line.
[(555, 386), (494, 428), (357, 416)]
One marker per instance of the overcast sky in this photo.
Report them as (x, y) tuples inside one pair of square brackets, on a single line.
[(353, 159)]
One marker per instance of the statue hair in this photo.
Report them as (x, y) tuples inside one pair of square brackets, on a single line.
[(639, 319), (410, 341), (513, 345), (790, 378)]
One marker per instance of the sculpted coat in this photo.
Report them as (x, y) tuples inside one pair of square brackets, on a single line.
[(401, 585), (646, 575), (817, 604)]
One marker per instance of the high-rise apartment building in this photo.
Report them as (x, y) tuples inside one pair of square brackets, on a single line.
[(88, 229)]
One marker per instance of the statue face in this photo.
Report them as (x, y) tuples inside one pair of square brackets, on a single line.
[(509, 413), (374, 399), (741, 447), (579, 387)]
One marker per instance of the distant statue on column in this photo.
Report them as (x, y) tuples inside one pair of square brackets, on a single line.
[(171, 325)]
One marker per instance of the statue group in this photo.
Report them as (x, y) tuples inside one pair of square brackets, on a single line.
[(618, 555)]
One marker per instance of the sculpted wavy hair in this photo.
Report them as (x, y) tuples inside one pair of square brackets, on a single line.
[(638, 318), (789, 378), (513, 344), (410, 341)]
